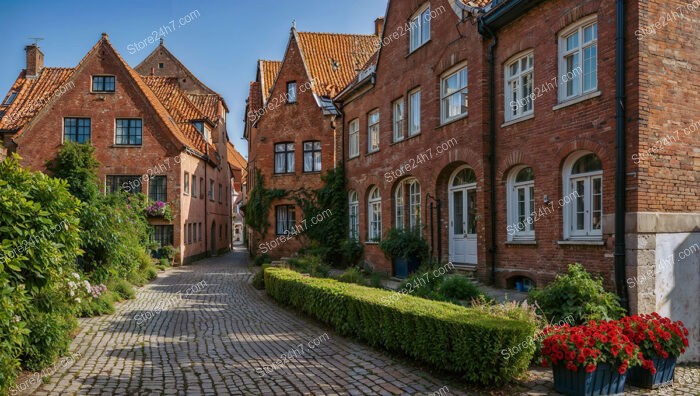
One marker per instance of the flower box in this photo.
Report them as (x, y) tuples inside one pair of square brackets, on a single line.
[(605, 380), (643, 378)]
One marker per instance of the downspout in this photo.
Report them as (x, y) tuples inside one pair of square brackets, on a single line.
[(621, 166), (492, 143), (206, 198)]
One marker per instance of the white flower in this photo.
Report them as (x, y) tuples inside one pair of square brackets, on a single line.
[(72, 293), (76, 276), (77, 299), (16, 319)]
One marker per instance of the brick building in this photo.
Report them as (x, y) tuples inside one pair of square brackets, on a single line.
[(503, 140), (156, 129), (291, 123)]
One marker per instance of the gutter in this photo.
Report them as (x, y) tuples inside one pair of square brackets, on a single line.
[(621, 163)]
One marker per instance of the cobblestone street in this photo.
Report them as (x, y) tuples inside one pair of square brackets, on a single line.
[(225, 338)]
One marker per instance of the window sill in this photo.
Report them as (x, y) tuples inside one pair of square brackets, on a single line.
[(452, 120), (411, 52), (371, 243), (371, 153), (576, 100), (353, 157), (312, 173), (517, 120), (522, 242), (582, 242), (126, 146), (103, 93), (283, 174), (406, 139)]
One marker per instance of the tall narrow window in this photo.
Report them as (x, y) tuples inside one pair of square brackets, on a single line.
[(186, 184), (414, 204), (158, 189), (398, 120), (354, 216), (578, 59), (354, 138), (292, 92), (375, 215), (194, 186), (76, 130), (414, 113), (521, 204), (399, 207), (584, 196), (453, 95), (419, 28), (285, 219), (407, 204), (201, 188), (221, 193), (103, 83), (284, 158), (519, 87), (312, 157), (129, 132), (373, 132), (211, 189)]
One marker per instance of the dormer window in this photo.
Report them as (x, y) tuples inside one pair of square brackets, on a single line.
[(292, 92), (103, 83), (11, 98)]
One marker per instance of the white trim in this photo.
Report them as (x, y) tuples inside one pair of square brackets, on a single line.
[(577, 99), (587, 233), (397, 137), (507, 78), (369, 131), (577, 26), (411, 111), (456, 70), (371, 203), (356, 132), (416, 16), (513, 214)]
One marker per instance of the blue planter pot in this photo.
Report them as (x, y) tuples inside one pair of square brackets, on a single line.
[(605, 380), (400, 267), (665, 368)]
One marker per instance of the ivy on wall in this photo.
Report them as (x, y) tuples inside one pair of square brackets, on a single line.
[(259, 203)]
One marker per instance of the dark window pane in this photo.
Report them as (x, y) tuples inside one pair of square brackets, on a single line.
[(158, 189), (76, 130)]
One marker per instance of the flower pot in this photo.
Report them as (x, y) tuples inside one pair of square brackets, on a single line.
[(643, 378), (605, 380)]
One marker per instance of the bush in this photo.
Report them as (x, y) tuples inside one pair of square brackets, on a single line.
[(445, 336), (102, 305), (405, 244), (376, 278), (422, 284), (351, 251), (353, 275), (262, 259), (579, 296), (458, 288), (13, 303), (50, 337), (312, 265), (258, 280), (123, 289)]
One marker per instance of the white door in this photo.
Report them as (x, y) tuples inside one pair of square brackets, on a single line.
[(463, 238)]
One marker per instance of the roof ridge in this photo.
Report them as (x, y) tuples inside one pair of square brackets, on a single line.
[(339, 34)]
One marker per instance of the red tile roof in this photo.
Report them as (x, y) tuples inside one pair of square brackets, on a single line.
[(476, 3), (333, 60), (208, 104), (237, 161), (268, 74)]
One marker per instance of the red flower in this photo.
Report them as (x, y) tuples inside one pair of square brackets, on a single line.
[(590, 368)]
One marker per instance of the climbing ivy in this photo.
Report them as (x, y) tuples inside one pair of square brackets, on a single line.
[(258, 207)]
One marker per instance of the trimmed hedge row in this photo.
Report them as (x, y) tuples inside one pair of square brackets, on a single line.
[(485, 349)]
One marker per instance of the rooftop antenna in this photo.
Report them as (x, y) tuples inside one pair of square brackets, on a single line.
[(36, 40)]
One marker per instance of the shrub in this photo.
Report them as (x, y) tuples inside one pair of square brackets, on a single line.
[(579, 296), (353, 275), (258, 280), (102, 305), (351, 251), (445, 336), (13, 303), (312, 265), (458, 288), (123, 289), (422, 284), (405, 244), (49, 338), (262, 259), (376, 278)]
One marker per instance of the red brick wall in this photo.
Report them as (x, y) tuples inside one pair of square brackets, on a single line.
[(294, 123)]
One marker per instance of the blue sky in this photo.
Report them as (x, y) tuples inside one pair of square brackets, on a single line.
[(220, 45)]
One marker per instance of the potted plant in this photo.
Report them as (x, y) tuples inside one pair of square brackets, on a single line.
[(159, 209), (591, 359), (661, 342), (406, 248)]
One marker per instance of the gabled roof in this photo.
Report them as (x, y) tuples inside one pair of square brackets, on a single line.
[(32, 95), (20, 115), (333, 60), (236, 161), (268, 71), (207, 104)]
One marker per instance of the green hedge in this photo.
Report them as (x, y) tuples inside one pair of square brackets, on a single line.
[(445, 336)]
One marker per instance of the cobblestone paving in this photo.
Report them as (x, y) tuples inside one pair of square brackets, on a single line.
[(225, 338)]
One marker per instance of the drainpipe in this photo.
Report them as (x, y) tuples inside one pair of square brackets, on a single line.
[(206, 198), (492, 142), (621, 166)]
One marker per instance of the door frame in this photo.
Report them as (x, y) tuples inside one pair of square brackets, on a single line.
[(471, 239)]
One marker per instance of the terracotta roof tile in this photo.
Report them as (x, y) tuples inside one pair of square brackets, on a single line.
[(333, 60), (268, 74), (236, 160), (477, 3), (208, 104)]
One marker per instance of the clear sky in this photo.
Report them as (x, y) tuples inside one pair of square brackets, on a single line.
[(220, 43)]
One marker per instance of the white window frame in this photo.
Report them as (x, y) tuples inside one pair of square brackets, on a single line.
[(413, 112), (577, 78), (419, 24), (374, 212), (514, 84), (373, 131), (399, 207), (399, 119), (285, 219), (570, 220), (462, 90), (292, 92), (354, 216), (414, 204), (515, 218), (354, 138)]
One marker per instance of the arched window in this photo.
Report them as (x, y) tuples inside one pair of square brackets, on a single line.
[(375, 215), (583, 187), (521, 204), (464, 177), (354, 215), (409, 191)]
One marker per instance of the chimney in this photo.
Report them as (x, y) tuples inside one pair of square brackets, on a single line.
[(35, 60), (379, 26)]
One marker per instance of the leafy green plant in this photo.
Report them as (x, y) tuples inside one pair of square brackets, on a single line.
[(445, 336), (351, 252), (123, 289), (261, 259), (50, 337), (258, 280), (458, 288), (353, 275), (312, 265), (258, 207), (404, 244), (376, 278), (579, 296), (422, 284), (102, 305)]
